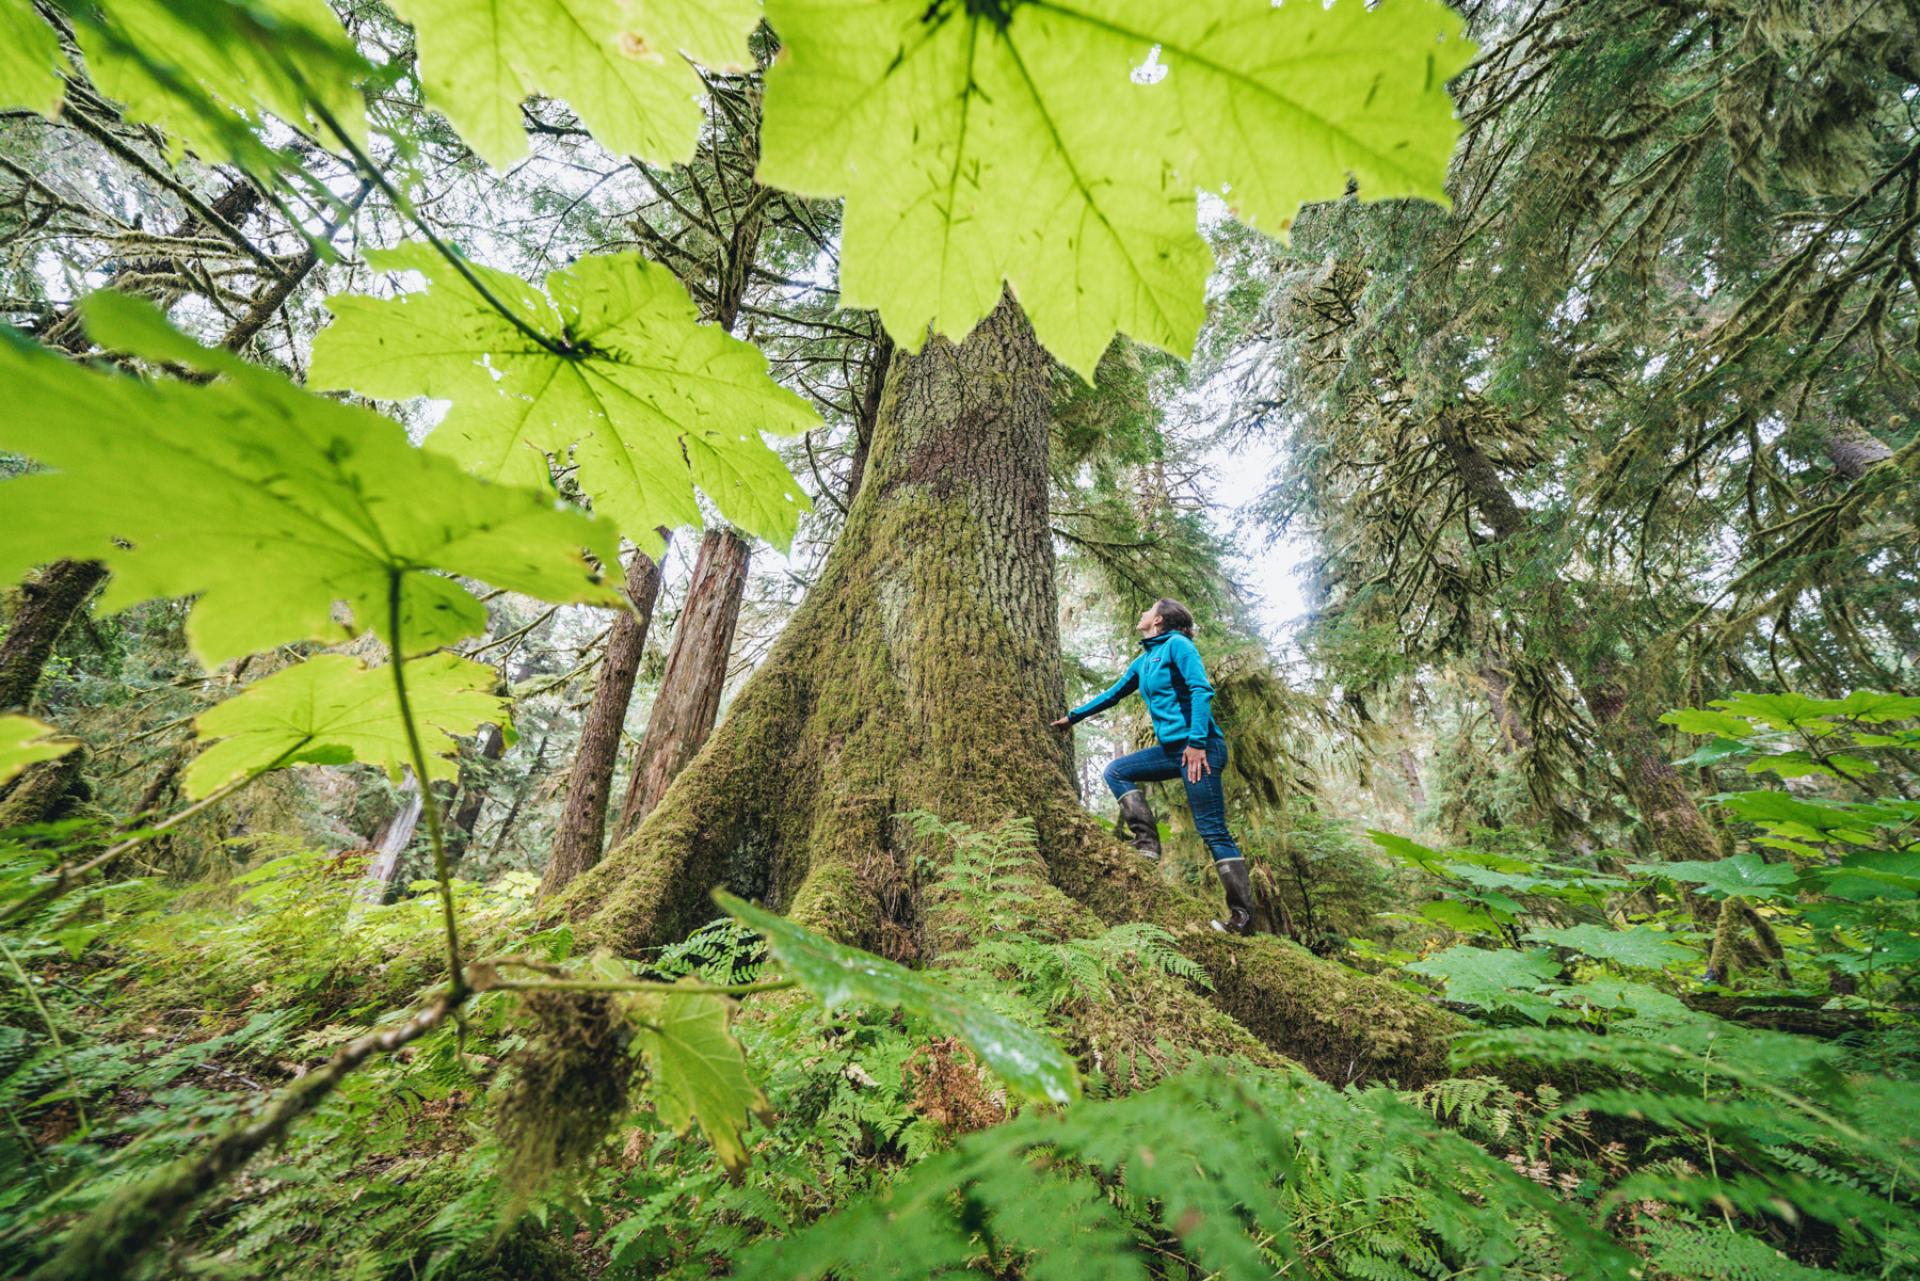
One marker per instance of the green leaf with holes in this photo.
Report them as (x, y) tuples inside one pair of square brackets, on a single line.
[(624, 68), (289, 516), (1057, 145), (649, 401), (1026, 1060), (333, 708)]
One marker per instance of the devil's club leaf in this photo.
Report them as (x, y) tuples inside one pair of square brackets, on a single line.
[(1641, 946), (332, 708), (275, 507), (838, 975), (208, 72), (698, 1071), (30, 59), (1745, 875), (619, 65), (651, 401), (1057, 144), (1491, 980), (24, 741)]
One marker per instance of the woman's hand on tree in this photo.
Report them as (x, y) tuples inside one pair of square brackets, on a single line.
[(1063, 723), (1195, 760)]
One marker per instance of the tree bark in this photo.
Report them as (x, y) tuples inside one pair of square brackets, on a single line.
[(921, 672), (695, 676), (473, 795), (1853, 449), (583, 815), (42, 608)]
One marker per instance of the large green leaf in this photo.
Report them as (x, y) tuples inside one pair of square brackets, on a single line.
[(620, 65), (1057, 144), (1640, 947), (698, 1071), (651, 401), (290, 516), (1491, 980), (333, 708), (209, 72), (1026, 1060), (1747, 875), (25, 741), (30, 60)]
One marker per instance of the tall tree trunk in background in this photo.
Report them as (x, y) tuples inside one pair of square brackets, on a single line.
[(1626, 727), (583, 815), (391, 841), (696, 674), (921, 672), (472, 797)]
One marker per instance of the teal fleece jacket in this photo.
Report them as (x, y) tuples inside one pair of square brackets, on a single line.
[(1172, 680)]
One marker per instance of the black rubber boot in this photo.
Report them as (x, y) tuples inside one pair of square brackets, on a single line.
[(1233, 875), (1138, 825)]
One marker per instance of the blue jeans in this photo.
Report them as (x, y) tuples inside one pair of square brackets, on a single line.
[(1206, 798)]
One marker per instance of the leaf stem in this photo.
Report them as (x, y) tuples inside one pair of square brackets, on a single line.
[(396, 654), (405, 207)]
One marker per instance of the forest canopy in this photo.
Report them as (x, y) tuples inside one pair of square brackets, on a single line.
[(559, 559)]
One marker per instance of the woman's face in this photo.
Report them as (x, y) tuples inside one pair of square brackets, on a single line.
[(1149, 624)]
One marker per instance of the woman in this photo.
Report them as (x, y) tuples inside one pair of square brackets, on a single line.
[(1172, 680)]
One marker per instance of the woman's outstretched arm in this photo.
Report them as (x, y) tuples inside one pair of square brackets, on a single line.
[(1128, 682)]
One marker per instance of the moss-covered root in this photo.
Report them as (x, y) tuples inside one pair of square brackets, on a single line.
[(718, 824), (47, 791), (1341, 1024)]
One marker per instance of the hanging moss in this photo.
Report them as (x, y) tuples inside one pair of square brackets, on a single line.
[(569, 1088)]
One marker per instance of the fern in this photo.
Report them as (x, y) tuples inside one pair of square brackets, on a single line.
[(1223, 1161)]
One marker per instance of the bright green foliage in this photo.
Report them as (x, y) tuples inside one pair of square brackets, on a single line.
[(1208, 1163), (332, 708), (1640, 947), (24, 740), (978, 143), (622, 67), (1490, 980), (1770, 1128), (30, 60), (271, 505), (651, 401), (837, 975), (209, 72), (698, 1070), (1747, 875)]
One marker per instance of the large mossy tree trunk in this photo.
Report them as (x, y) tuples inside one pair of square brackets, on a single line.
[(920, 673)]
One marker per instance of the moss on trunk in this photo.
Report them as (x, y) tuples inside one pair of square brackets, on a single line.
[(922, 672)]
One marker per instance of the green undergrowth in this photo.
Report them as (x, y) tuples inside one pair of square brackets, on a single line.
[(138, 1018)]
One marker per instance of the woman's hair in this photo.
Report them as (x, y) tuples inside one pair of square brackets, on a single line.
[(1176, 616)]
